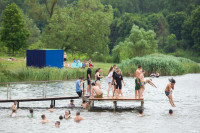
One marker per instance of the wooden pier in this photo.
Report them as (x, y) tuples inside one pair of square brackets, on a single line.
[(114, 100), (52, 99)]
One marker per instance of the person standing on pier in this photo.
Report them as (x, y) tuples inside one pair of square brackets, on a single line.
[(98, 77), (110, 74), (138, 82), (113, 77), (89, 73), (118, 81), (79, 83)]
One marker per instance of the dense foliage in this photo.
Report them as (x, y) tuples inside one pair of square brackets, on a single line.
[(100, 27), (164, 64)]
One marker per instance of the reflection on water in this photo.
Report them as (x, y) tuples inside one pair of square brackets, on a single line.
[(156, 119)]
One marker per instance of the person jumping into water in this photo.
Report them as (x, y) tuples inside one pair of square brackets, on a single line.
[(149, 81), (168, 91)]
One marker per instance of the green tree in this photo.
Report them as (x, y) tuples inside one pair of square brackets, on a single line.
[(171, 44), (13, 33), (175, 21), (139, 43)]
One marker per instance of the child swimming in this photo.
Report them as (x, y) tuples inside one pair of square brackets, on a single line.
[(168, 91)]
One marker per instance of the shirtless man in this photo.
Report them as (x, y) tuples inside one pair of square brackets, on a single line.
[(168, 91), (84, 104), (51, 108), (149, 81), (137, 81), (78, 118), (95, 90), (44, 120)]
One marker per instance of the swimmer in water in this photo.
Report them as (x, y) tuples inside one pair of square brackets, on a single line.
[(67, 114), (61, 117), (51, 108), (78, 118), (44, 120), (14, 113), (168, 91), (71, 104), (171, 112), (57, 124), (141, 112), (84, 104), (14, 107), (31, 113)]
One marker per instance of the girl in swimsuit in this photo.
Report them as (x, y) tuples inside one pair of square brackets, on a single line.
[(168, 91), (67, 114), (110, 75), (98, 77)]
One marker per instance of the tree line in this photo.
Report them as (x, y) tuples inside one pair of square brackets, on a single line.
[(114, 29)]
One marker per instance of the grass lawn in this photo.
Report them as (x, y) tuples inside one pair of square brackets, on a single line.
[(21, 63)]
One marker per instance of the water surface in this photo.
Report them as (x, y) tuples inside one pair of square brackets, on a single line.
[(156, 119)]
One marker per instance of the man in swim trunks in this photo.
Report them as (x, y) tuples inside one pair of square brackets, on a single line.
[(14, 107), (89, 72), (95, 90), (137, 81), (168, 91)]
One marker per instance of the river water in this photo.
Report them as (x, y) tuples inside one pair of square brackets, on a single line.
[(156, 119)]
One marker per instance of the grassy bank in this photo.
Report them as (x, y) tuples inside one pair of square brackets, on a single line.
[(164, 64), (13, 71)]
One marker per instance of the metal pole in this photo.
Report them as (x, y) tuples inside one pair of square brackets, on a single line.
[(90, 89), (10, 92), (45, 90), (7, 91), (83, 89)]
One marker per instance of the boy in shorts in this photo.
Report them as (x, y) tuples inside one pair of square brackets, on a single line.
[(168, 91)]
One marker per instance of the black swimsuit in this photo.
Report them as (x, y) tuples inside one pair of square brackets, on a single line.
[(98, 78)]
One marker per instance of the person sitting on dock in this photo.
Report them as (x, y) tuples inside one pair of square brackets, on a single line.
[(118, 81), (79, 83), (168, 91), (78, 118), (57, 124), (170, 112), (67, 114), (71, 104), (51, 108), (137, 82), (141, 112), (149, 81), (95, 90), (84, 104), (44, 120), (31, 113)]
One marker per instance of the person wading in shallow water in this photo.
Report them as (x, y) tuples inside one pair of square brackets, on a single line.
[(168, 91)]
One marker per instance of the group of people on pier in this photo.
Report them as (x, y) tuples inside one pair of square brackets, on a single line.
[(115, 80)]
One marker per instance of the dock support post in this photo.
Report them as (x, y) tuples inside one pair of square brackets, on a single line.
[(91, 105), (142, 104), (45, 89), (115, 105), (53, 102), (17, 104)]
